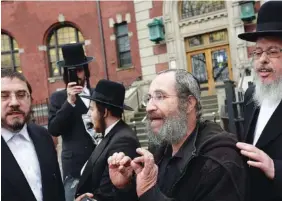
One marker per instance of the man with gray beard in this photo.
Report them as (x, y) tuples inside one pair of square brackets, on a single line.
[(262, 135), (194, 160)]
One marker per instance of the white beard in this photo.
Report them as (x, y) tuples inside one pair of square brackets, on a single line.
[(271, 92)]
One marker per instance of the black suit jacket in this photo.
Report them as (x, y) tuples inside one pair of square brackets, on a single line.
[(95, 177), (270, 141), (66, 120), (14, 186)]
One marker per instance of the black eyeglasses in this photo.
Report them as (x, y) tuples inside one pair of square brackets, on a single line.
[(273, 52), (20, 95)]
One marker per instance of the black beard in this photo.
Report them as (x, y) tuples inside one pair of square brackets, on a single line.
[(17, 126)]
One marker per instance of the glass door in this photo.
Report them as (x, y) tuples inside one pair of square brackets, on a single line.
[(199, 63)]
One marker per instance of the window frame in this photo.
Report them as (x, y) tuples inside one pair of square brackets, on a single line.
[(57, 47), (12, 51), (120, 65)]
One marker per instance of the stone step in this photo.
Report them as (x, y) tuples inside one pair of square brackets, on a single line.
[(143, 143), (136, 119), (142, 136), (137, 124), (143, 109), (210, 101), (205, 111), (139, 130), (212, 97), (140, 114), (210, 106)]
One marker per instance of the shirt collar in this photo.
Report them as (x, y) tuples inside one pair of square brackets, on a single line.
[(8, 135), (110, 128)]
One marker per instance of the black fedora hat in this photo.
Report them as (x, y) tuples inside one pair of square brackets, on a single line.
[(269, 22), (73, 56), (109, 93)]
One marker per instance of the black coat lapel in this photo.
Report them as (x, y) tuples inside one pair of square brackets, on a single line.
[(97, 152), (11, 171), (272, 129), (250, 111)]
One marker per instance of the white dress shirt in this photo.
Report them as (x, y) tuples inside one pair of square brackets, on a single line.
[(85, 91), (106, 132), (24, 152), (265, 113)]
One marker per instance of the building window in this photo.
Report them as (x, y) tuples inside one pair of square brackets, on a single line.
[(57, 38), (10, 57), (123, 45), (190, 8)]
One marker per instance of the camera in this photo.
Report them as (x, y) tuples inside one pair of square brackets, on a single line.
[(72, 76)]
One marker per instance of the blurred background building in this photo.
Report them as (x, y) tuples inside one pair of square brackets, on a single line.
[(131, 42)]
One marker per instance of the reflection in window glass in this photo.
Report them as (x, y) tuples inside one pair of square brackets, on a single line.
[(218, 36), (123, 45), (10, 57), (196, 41), (58, 37), (220, 65), (194, 8), (199, 68)]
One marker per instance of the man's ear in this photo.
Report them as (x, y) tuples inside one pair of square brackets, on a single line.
[(191, 104), (106, 113)]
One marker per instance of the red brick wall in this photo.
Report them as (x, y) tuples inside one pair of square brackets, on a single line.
[(109, 10), (30, 22)]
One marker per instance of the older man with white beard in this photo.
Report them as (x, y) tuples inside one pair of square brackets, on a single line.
[(263, 107), (196, 160)]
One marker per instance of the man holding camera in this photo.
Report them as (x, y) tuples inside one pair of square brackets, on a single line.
[(65, 115)]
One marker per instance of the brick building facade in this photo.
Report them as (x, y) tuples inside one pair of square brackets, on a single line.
[(30, 24)]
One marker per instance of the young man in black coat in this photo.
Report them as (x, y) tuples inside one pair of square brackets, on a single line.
[(30, 169), (106, 108), (65, 115), (195, 161), (262, 135)]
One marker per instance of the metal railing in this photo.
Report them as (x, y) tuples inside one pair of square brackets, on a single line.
[(234, 120), (39, 113)]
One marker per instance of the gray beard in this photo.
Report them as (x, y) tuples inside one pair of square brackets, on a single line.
[(172, 132), (272, 92)]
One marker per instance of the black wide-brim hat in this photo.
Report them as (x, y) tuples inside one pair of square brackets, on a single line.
[(74, 56), (109, 93), (269, 22)]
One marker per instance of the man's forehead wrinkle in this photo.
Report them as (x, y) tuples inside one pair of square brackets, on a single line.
[(163, 82)]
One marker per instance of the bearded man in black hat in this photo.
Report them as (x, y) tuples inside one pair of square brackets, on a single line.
[(65, 115), (106, 108), (263, 107)]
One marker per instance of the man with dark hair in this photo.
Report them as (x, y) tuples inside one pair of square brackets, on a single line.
[(65, 115), (30, 170), (106, 108), (262, 137), (194, 161)]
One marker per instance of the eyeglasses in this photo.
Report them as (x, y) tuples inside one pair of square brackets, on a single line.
[(273, 52), (20, 95), (157, 97)]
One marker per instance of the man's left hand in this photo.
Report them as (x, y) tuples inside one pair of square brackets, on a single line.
[(259, 159), (84, 196), (146, 171)]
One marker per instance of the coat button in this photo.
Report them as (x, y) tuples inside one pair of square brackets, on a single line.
[(85, 147)]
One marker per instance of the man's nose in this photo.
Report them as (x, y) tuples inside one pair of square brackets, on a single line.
[(264, 58), (151, 106), (13, 100)]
